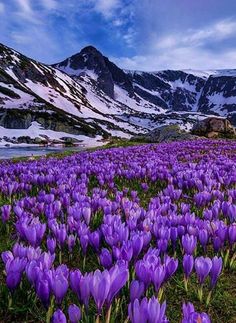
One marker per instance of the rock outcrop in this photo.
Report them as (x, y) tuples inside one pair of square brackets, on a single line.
[(164, 134), (213, 127)]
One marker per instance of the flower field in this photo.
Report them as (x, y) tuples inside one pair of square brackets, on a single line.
[(138, 234)]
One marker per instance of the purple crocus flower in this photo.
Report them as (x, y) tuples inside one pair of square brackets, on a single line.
[(61, 234), (118, 277), (203, 237), (143, 272), (162, 245), (138, 312), (202, 267), (156, 311), (147, 311), (75, 277), (188, 262), (232, 233), (136, 290), (190, 316), (71, 242), (137, 244), (7, 256), (74, 313), (14, 269), (158, 276), (6, 212), (100, 286), (46, 260), (59, 317), (59, 286), (51, 245), (19, 250), (171, 266), (32, 271), (85, 288), (215, 270), (86, 212), (189, 243), (173, 235), (94, 239), (105, 258), (84, 239), (13, 280), (217, 243), (43, 291)]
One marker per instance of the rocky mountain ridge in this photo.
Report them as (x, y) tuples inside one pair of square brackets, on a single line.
[(86, 97)]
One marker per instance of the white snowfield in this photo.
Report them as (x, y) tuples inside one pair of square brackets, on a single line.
[(37, 131)]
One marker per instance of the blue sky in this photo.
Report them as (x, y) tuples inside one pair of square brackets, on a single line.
[(136, 34)]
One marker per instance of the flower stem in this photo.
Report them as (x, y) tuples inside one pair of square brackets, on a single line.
[(9, 301), (60, 257), (108, 315), (186, 284), (208, 298), (84, 261), (97, 319), (50, 311), (232, 260), (226, 258), (200, 293), (160, 293)]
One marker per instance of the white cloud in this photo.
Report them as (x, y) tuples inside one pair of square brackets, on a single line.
[(49, 4), (34, 41), (25, 13), (197, 37), (178, 51), (20, 38), (129, 37), (106, 7), (24, 6), (2, 8), (180, 58)]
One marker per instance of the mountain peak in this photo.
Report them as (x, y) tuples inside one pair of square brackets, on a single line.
[(90, 49), (89, 58), (107, 73)]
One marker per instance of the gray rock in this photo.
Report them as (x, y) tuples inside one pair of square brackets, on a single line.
[(69, 140), (213, 127), (164, 134)]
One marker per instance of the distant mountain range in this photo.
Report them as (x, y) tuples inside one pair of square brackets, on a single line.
[(86, 98)]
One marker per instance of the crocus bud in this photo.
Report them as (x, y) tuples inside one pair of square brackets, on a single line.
[(74, 313), (51, 245), (136, 290), (59, 317), (105, 258), (6, 212), (188, 263), (215, 270), (43, 291), (202, 267)]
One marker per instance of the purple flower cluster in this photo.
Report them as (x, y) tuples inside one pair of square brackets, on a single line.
[(142, 216)]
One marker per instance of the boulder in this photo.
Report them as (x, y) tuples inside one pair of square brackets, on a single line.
[(69, 140), (214, 127), (164, 134)]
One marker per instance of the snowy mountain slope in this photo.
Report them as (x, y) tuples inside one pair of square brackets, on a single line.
[(87, 95), (156, 92), (50, 97)]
